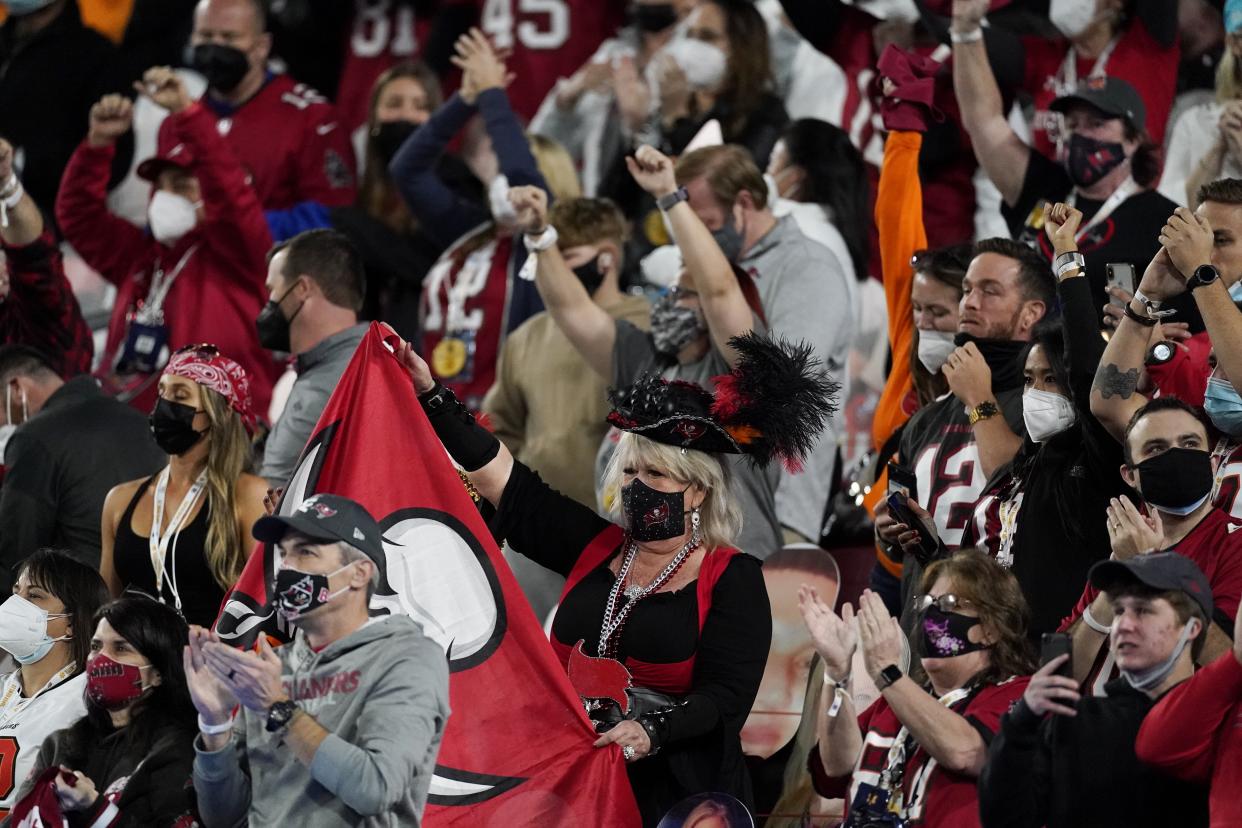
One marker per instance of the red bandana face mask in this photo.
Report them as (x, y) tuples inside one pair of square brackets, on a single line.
[(111, 684)]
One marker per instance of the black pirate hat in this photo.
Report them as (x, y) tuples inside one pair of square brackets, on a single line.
[(774, 403)]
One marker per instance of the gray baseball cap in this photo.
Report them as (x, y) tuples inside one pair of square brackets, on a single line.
[(1161, 570)]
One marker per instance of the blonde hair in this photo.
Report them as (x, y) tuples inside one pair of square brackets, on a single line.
[(556, 167), (228, 450), (1228, 84), (720, 517)]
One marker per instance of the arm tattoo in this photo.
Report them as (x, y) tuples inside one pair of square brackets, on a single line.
[(1111, 381)]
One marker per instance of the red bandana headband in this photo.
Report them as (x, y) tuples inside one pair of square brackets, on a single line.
[(205, 365)]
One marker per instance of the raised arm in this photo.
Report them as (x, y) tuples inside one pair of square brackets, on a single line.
[(1114, 393), (585, 324), (109, 244), (724, 306), (835, 639), (1190, 240), (970, 380), (233, 220), (1079, 322), (998, 148)]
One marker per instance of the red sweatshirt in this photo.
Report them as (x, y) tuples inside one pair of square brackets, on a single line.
[(1195, 733), (220, 289)]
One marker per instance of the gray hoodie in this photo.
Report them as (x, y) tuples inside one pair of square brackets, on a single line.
[(382, 692)]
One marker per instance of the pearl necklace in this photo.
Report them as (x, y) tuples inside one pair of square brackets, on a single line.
[(613, 620)]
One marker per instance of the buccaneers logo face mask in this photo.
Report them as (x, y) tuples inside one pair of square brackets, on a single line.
[(298, 593), (652, 515)]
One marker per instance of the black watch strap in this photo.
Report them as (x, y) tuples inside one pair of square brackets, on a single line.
[(280, 714), (668, 201), (1203, 275), (888, 675)]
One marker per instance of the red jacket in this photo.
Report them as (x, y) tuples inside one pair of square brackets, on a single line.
[(41, 310), (219, 291), (1195, 733)]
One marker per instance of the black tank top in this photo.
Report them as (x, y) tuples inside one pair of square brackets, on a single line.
[(131, 556)]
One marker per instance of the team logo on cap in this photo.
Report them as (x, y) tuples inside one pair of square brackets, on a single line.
[(690, 429), (321, 510)]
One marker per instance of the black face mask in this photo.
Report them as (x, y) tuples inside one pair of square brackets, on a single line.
[(947, 634), (1090, 160), (272, 326), (389, 137), (222, 66), (652, 515), (172, 425), (1176, 481), (590, 276), (1003, 359), (654, 17)]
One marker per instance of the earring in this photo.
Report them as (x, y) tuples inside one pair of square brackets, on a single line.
[(694, 519)]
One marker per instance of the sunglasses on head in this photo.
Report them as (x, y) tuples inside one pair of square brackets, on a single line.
[(203, 350)]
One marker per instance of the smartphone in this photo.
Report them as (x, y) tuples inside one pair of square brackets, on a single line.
[(1057, 644), (929, 545), (901, 479), (1120, 274)]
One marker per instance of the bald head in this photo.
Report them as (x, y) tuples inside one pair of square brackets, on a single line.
[(230, 47), (248, 16)]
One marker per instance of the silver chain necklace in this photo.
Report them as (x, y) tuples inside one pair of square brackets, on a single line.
[(614, 622)]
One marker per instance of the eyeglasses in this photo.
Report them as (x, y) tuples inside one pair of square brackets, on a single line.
[(945, 603)]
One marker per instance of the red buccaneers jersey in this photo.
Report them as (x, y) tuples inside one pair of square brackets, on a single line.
[(383, 33), (1216, 546), (933, 796), (548, 39), (291, 143), (1228, 456)]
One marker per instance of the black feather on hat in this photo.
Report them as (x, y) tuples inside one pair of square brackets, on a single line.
[(774, 403)]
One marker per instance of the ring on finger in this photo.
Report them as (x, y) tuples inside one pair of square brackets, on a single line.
[(628, 752)]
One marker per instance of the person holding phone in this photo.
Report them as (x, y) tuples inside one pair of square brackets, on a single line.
[(1040, 515), (1062, 758)]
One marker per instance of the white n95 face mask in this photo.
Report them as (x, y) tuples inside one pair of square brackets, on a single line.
[(703, 63), (934, 349), (171, 216), (23, 629), (1046, 413), (1071, 17)]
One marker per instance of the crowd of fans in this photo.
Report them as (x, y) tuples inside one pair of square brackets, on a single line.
[(865, 359)]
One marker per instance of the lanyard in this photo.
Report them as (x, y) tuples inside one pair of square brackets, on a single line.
[(1066, 79), (153, 309), (895, 766), (14, 686), (1128, 188), (158, 540)]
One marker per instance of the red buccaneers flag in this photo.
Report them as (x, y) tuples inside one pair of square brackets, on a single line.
[(517, 749)]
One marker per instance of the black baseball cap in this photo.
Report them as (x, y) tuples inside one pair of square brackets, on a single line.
[(1112, 96), (329, 518), (1161, 570)]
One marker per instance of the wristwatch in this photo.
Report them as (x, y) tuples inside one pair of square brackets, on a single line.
[(667, 202), (888, 675), (280, 714), (1203, 275), (982, 411)]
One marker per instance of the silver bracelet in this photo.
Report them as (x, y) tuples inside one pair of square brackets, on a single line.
[(1066, 262), (973, 36)]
